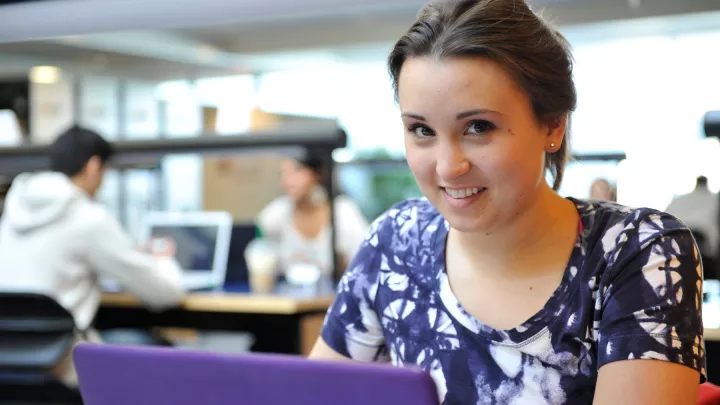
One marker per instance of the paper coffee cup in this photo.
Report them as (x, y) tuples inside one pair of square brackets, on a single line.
[(262, 263)]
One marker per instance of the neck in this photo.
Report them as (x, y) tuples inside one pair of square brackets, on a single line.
[(79, 183), (307, 205), (527, 235)]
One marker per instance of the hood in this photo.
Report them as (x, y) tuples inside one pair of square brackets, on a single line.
[(37, 200)]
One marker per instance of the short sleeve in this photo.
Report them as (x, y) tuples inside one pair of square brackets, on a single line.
[(651, 295), (352, 327), (274, 217), (352, 226)]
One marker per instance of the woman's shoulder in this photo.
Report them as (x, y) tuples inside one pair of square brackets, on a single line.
[(606, 214), (616, 226), (413, 218), (279, 204), (405, 233), (342, 203), (276, 213)]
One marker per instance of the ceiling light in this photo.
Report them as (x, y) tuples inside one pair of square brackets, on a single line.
[(44, 74), (206, 53)]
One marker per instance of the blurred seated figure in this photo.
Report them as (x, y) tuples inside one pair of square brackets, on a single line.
[(56, 240), (602, 190), (298, 223), (699, 211)]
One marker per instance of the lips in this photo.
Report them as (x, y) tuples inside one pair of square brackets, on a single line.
[(460, 193)]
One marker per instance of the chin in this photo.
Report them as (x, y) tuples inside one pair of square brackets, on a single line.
[(293, 195), (486, 214), (474, 218), (467, 223)]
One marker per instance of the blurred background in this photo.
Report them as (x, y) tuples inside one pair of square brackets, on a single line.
[(646, 73)]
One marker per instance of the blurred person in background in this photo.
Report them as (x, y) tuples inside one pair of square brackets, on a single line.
[(699, 211), (56, 240), (602, 190), (298, 223)]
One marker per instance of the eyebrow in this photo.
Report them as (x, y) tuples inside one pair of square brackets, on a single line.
[(462, 115)]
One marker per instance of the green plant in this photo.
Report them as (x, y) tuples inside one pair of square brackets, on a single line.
[(390, 179)]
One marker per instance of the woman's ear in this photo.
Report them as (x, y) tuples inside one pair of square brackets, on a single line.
[(555, 128)]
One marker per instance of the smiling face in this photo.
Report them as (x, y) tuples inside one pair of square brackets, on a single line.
[(473, 143)]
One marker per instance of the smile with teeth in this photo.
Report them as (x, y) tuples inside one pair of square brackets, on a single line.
[(463, 192)]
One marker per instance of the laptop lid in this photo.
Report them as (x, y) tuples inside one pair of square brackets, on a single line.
[(141, 375), (202, 242)]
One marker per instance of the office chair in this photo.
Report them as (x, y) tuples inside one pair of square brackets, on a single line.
[(708, 394), (237, 273), (36, 333)]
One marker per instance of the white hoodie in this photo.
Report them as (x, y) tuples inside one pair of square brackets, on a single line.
[(56, 240)]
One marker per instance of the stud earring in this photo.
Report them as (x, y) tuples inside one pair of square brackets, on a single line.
[(552, 145)]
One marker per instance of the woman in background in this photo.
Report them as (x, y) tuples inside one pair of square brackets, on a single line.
[(299, 222)]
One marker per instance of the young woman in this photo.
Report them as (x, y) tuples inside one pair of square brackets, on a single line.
[(299, 221), (504, 291)]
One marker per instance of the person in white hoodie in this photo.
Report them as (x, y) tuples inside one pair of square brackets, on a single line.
[(55, 239)]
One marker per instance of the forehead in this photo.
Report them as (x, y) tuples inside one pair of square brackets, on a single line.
[(458, 83), (288, 164), (291, 165), (601, 184)]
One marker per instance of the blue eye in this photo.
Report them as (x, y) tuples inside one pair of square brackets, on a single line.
[(421, 131), (480, 127)]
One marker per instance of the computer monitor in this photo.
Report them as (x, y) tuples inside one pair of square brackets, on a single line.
[(202, 241)]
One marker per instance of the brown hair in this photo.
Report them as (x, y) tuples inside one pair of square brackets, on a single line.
[(510, 33)]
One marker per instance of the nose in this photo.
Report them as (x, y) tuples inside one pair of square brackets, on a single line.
[(451, 161)]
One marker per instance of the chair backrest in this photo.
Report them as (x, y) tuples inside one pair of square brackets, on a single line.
[(708, 394), (701, 240), (36, 332), (710, 263)]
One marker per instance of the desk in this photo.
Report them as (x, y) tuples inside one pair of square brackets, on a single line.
[(281, 323), (712, 334)]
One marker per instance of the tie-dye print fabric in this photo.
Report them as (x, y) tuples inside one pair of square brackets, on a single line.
[(632, 290)]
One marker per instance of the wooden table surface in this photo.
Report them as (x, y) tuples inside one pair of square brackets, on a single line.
[(712, 334), (234, 302)]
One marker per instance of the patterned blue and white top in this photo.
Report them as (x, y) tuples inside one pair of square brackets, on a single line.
[(631, 290)]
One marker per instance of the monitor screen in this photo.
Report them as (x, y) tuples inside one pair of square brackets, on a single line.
[(194, 244)]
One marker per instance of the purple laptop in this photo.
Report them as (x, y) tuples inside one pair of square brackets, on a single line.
[(125, 375)]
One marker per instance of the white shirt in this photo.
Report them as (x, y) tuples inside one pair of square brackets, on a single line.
[(54, 239), (277, 224), (699, 211)]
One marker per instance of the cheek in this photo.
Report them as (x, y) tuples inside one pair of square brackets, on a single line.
[(286, 181), (304, 184), (421, 162), (517, 166)]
